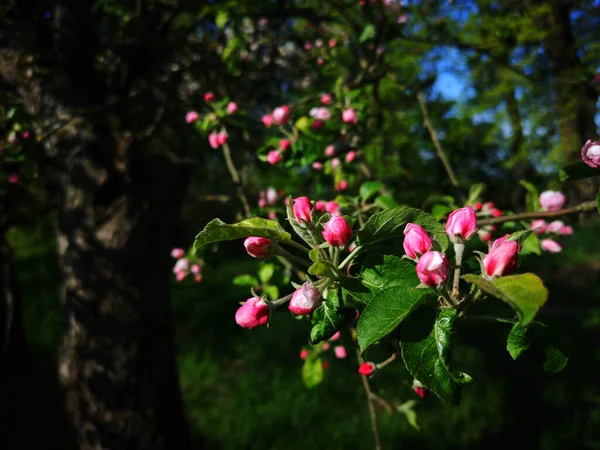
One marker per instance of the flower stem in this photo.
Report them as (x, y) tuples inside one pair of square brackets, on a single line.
[(581, 208), (235, 177), (351, 256), (459, 249)]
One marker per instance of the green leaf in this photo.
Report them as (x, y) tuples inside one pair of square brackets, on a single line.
[(312, 371), (439, 211), (391, 305), (531, 245), (369, 189), (221, 18), (532, 197), (217, 230), (576, 171), (386, 202), (426, 343), (323, 268), (303, 124), (520, 236), (407, 408), (378, 273), (555, 360), (314, 254), (367, 33), (390, 224), (475, 193), (245, 280), (265, 272), (272, 292), (516, 342), (525, 293), (329, 318)]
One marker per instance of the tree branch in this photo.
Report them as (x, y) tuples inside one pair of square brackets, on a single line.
[(583, 207)]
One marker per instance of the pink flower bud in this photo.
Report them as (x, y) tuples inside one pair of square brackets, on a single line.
[(320, 113), (432, 268), (267, 120), (539, 226), (332, 207), (222, 138), (197, 278), (317, 165), (550, 245), (416, 240), (566, 231), (552, 200), (305, 300), (271, 195), (350, 116), (337, 232), (329, 151), (177, 253), (462, 224), (25, 134), (308, 46), (502, 258), (477, 206), (213, 140), (590, 153), (232, 107), (258, 247), (284, 145), (421, 391), (320, 205), (209, 97), (319, 43), (317, 124), (340, 352), (195, 269), (335, 337), (332, 43), (488, 205), (273, 157), (179, 276), (272, 215), (555, 226), (495, 212), (12, 138), (335, 163), (326, 99), (262, 203), (367, 369), (303, 354), (484, 235), (281, 115), (350, 156), (191, 117), (302, 209), (253, 313), (325, 364), (352, 247), (326, 346), (182, 265)]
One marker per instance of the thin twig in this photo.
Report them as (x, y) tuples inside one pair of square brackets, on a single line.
[(372, 412), (235, 177), (581, 208), (434, 138)]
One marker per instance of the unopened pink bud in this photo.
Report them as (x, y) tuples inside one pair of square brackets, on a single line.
[(335, 163), (272, 215), (367, 369), (273, 157), (502, 258), (253, 313), (332, 207), (326, 99), (271, 195), (303, 354), (566, 230), (550, 245), (267, 120), (552, 200), (317, 124), (326, 364), (191, 117), (213, 140), (477, 206), (590, 154), (222, 137), (350, 116), (335, 337), (198, 278), (195, 269), (209, 97), (416, 241), (340, 352), (350, 156), (343, 184), (179, 276), (320, 205), (337, 232), (352, 247), (284, 145), (326, 346), (329, 151), (332, 43), (495, 212), (182, 265), (305, 300), (421, 391), (262, 203), (462, 224), (177, 253), (258, 247), (539, 226), (432, 268), (302, 209), (320, 113), (554, 227), (317, 165), (281, 115), (232, 107), (308, 46)]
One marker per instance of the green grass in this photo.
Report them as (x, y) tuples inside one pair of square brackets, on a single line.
[(243, 389)]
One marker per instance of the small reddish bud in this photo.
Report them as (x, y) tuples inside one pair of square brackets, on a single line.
[(326, 346), (195, 269), (258, 247), (326, 99), (350, 116), (213, 140), (421, 391), (320, 205), (477, 206), (340, 352), (253, 313), (317, 124), (332, 207), (496, 212), (273, 157), (284, 145), (350, 156), (555, 226), (209, 97), (222, 137), (303, 354), (367, 369), (232, 107), (461, 224), (302, 209), (267, 120), (177, 253), (335, 163), (337, 232), (281, 115), (335, 337), (566, 230), (191, 117), (432, 268), (326, 364), (332, 43), (317, 165), (329, 151)]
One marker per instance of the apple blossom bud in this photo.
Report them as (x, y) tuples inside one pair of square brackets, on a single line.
[(320, 205), (25, 134), (539, 226), (317, 165), (213, 140), (320, 61), (179, 276), (284, 145), (182, 265), (271, 195), (317, 124), (209, 97), (177, 253), (566, 231), (320, 113), (555, 226), (258, 247), (198, 278), (332, 43), (461, 224), (191, 117), (340, 352), (232, 107), (326, 99), (335, 337), (12, 138), (305, 300), (272, 215), (416, 240), (550, 245), (253, 313), (335, 163), (495, 212), (325, 364), (273, 157), (552, 200), (332, 207), (343, 184), (308, 46), (590, 153), (303, 354), (350, 156), (302, 209), (329, 151), (350, 116), (267, 120), (262, 203), (222, 137), (477, 206), (326, 346), (352, 247), (432, 268), (502, 258), (281, 115), (195, 269), (319, 43), (337, 232), (367, 369)]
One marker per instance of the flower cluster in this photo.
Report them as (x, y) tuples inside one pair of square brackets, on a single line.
[(184, 266)]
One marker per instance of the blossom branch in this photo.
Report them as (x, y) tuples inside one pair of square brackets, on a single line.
[(235, 177), (581, 208)]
